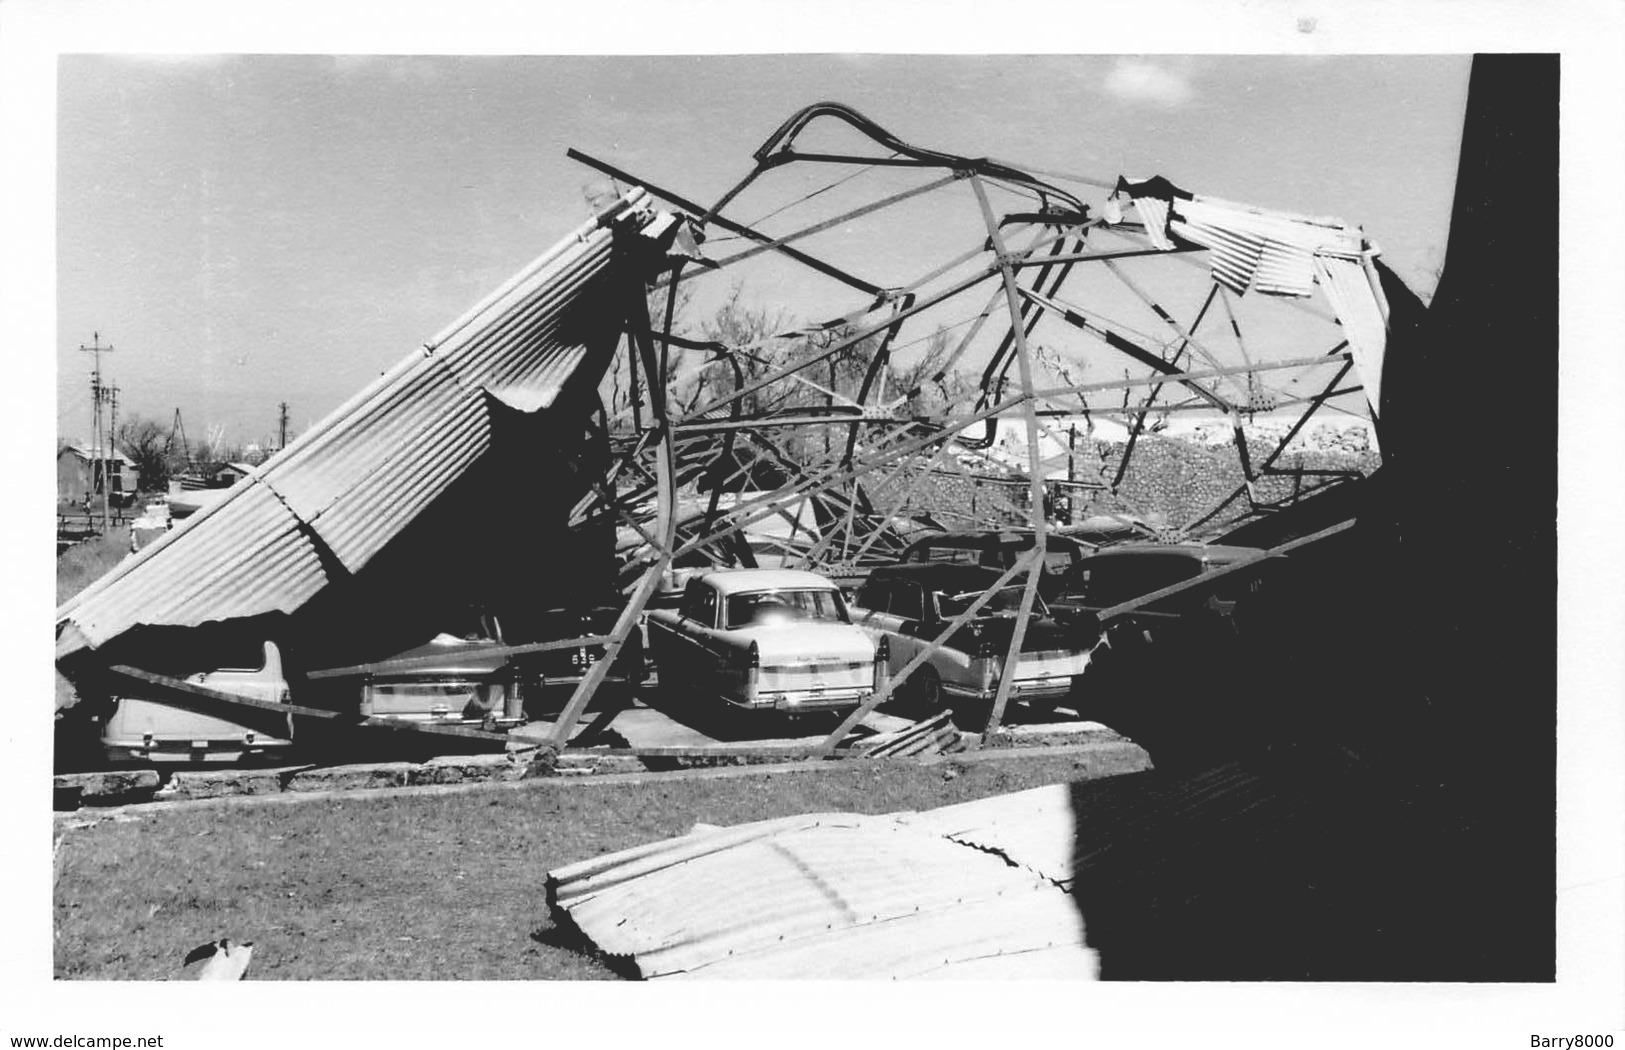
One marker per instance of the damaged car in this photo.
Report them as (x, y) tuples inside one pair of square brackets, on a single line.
[(461, 676), (906, 606), (146, 729)]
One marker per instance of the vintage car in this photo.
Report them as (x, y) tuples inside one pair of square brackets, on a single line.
[(775, 639), (461, 676), (1122, 573), (908, 605), (999, 550), (145, 729), (552, 675), (1153, 673)]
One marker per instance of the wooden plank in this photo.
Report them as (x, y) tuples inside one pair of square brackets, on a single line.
[(392, 666), (193, 697), (435, 729)]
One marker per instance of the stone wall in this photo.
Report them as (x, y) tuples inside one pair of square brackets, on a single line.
[(1168, 481)]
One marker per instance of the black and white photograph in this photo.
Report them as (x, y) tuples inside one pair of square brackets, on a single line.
[(1075, 512)]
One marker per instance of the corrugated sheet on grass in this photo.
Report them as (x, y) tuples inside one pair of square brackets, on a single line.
[(823, 895), (1034, 829)]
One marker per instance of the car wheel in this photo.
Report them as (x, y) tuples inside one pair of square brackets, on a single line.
[(928, 689)]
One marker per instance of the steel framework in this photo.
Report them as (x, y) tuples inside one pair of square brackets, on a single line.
[(1074, 284)]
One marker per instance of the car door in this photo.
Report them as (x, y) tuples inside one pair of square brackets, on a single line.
[(679, 637), (872, 611), (698, 630), (908, 613)]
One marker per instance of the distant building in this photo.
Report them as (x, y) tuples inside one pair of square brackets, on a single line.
[(82, 470), (232, 473)]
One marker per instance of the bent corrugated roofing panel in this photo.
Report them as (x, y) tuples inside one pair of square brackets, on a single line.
[(1279, 253), (824, 895), (1033, 829), (355, 480)]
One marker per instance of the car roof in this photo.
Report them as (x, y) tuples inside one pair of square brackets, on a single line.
[(736, 581), (941, 575), (986, 538)]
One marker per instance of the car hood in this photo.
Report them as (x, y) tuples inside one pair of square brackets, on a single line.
[(801, 640)]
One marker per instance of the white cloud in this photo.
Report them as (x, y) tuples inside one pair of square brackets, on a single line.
[(1140, 80)]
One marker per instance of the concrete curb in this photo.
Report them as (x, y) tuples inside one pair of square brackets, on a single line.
[(1101, 758)]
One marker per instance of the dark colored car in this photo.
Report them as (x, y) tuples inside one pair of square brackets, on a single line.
[(1177, 675), (556, 672), (910, 604), (999, 550), (1128, 571)]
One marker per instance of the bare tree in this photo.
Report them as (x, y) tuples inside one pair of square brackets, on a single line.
[(929, 388), (146, 443), (748, 333), (619, 385)]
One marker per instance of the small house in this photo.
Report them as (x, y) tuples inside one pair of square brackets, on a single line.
[(83, 470), (231, 474)]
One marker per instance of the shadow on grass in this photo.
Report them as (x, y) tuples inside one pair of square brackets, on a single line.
[(561, 933)]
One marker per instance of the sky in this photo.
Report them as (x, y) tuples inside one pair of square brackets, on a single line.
[(248, 230)]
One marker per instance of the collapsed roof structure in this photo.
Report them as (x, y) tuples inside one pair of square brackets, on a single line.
[(1057, 279)]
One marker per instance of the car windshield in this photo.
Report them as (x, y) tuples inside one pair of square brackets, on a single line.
[(1004, 600), (756, 608), (948, 555)]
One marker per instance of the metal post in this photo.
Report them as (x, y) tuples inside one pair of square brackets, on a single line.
[(98, 394), (637, 323), (1007, 675)]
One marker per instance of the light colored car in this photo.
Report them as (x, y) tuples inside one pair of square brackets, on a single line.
[(146, 729), (909, 605), (765, 639)]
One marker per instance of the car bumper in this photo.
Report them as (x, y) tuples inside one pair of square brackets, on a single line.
[(419, 718), (804, 700), (1022, 689), (188, 751)]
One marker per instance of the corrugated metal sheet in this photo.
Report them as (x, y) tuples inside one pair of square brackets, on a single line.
[(1278, 253), (1034, 829), (824, 895), (359, 477), (1272, 254), (1154, 214), (1361, 309), (1031, 933)]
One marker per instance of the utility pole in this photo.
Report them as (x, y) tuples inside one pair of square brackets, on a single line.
[(282, 427), (112, 451), (98, 394), (1071, 470)]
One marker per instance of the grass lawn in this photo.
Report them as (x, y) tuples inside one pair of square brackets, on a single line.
[(77, 568), (85, 563), (429, 887)]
